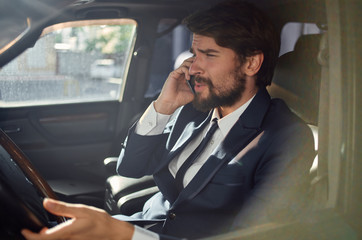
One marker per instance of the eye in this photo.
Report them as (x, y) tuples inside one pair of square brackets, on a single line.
[(210, 55)]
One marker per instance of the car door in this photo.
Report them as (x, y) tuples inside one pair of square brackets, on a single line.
[(68, 99), (75, 76)]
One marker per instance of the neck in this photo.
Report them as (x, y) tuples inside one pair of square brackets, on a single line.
[(246, 96)]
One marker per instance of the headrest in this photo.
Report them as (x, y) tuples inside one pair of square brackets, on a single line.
[(297, 78)]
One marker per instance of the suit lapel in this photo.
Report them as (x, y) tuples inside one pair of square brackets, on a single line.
[(192, 129), (241, 134), (165, 181)]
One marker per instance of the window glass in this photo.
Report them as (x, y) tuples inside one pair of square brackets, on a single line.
[(72, 62)]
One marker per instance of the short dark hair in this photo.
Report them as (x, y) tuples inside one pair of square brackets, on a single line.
[(243, 28)]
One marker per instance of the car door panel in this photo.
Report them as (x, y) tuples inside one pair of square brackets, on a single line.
[(66, 142), (75, 125)]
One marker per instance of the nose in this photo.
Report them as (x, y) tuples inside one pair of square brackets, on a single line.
[(195, 68)]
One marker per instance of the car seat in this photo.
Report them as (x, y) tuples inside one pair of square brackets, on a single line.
[(297, 79)]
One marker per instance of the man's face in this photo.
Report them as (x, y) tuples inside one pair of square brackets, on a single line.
[(219, 80)]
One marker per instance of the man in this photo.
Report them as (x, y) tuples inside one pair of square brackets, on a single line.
[(249, 170)]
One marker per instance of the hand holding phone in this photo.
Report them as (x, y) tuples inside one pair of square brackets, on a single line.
[(175, 93)]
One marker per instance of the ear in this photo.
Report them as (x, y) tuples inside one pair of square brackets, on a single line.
[(253, 64)]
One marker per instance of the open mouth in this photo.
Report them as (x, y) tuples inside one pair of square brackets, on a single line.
[(201, 83), (200, 86)]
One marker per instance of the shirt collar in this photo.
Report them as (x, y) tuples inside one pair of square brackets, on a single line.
[(227, 122)]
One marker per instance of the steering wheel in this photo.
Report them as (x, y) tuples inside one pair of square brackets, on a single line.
[(22, 190)]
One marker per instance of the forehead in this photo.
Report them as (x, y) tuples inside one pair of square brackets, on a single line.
[(203, 43), (200, 41)]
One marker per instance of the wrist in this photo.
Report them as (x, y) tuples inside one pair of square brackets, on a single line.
[(164, 108), (121, 230)]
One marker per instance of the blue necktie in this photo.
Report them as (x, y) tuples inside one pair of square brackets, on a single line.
[(194, 155)]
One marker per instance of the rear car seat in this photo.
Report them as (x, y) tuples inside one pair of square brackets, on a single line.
[(297, 81)]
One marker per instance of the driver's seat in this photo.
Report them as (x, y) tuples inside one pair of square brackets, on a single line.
[(296, 80)]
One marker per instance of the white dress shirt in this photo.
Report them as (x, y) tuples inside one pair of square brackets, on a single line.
[(154, 123)]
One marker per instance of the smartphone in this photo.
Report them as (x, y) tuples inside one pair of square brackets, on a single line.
[(190, 83)]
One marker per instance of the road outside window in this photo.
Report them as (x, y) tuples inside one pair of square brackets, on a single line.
[(81, 61)]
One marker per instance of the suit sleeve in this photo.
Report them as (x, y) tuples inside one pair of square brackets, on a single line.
[(145, 145), (151, 122), (140, 155)]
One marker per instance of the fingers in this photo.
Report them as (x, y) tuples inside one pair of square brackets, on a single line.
[(58, 232), (175, 91), (184, 68), (30, 235), (64, 209), (66, 230), (93, 227), (62, 230)]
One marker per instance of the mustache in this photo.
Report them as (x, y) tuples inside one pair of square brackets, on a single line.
[(198, 79)]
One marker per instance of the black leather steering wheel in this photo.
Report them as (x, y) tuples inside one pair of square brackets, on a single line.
[(22, 190)]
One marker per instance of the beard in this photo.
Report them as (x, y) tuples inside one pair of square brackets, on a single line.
[(225, 97)]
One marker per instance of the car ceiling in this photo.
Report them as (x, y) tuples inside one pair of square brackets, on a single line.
[(14, 14), (297, 9)]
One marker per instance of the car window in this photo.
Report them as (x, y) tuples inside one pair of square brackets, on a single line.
[(79, 61)]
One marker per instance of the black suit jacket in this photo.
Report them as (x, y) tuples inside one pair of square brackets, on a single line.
[(264, 158)]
